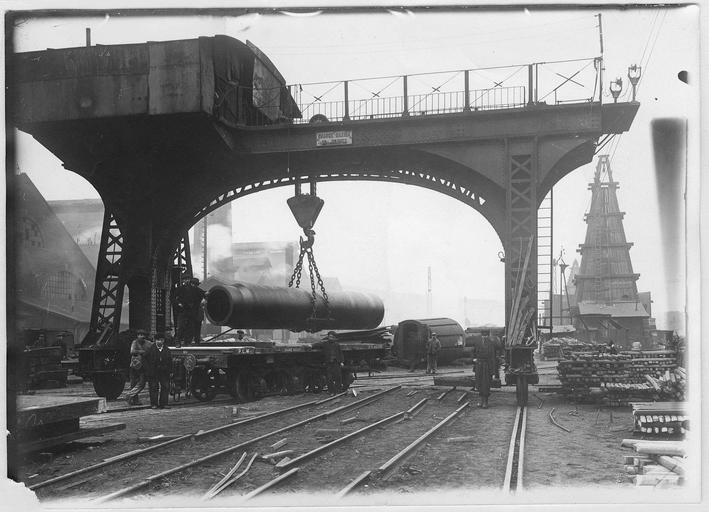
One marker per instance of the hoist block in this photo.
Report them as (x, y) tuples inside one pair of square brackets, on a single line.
[(305, 208), (265, 307)]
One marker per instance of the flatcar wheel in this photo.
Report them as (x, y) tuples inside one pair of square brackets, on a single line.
[(109, 386), (205, 384)]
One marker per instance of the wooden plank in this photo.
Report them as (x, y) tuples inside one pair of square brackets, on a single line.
[(40, 444), (278, 444), (35, 410), (652, 449), (275, 455)]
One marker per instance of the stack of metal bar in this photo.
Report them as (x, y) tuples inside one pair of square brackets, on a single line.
[(660, 418)]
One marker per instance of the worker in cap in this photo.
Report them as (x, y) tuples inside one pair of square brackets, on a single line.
[(485, 352), (137, 370), (189, 312), (334, 361), (433, 347)]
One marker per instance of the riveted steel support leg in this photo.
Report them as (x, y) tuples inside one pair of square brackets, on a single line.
[(521, 224), (110, 279)]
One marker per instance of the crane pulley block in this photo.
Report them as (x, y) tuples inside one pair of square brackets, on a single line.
[(305, 209)]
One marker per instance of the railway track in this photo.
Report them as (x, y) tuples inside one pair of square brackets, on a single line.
[(336, 449), (137, 463), (515, 455)]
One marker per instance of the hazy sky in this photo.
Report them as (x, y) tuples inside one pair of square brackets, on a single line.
[(379, 236)]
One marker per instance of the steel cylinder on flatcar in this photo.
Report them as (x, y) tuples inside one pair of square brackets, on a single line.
[(266, 307)]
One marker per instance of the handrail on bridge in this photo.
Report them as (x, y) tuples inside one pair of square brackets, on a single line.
[(442, 92)]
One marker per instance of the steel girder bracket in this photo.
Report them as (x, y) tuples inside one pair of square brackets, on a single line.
[(110, 283)]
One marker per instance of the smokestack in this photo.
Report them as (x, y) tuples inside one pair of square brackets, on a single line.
[(669, 137), (88, 36)]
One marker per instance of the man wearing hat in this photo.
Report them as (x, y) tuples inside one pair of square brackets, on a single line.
[(485, 351), (188, 307), (158, 368), (334, 360), (137, 370), (433, 346)]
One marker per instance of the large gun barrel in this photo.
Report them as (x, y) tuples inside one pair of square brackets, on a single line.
[(266, 307)]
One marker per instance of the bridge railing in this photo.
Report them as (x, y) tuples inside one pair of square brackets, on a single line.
[(503, 87)]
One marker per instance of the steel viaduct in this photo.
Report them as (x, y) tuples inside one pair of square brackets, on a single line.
[(168, 131)]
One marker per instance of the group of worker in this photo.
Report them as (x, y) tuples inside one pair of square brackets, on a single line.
[(486, 350), (150, 362)]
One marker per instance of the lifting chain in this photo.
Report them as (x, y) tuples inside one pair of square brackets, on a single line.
[(306, 250)]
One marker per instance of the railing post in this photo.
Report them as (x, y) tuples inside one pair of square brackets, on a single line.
[(406, 97), (536, 83), (467, 91), (347, 102), (530, 69)]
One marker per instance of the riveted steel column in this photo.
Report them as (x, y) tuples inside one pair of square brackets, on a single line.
[(110, 279), (521, 227)]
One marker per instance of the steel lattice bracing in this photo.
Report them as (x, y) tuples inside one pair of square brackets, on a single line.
[(606, 275), (108, 292), (521, 242), (165, 283)]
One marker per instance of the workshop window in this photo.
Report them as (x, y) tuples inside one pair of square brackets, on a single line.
[(64, 285), (31, 235)]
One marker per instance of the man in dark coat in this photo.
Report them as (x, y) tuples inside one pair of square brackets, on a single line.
[(158, 369), (433, 347), (485, 352), (188, 308), (334, 360)]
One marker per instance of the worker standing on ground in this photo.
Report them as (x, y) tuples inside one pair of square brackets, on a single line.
[(158, 368), (188, 301), (485, 352), (334, 361), (433, 346), (137, 370)]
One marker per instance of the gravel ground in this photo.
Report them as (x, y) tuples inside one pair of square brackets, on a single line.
[(589, 455)]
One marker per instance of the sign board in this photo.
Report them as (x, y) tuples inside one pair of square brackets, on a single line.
[(341, 138)]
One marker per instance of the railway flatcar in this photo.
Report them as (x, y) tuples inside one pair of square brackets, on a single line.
[(411, 335), (249, 371)]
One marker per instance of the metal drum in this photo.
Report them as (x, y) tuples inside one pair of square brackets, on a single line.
[(267, 307)]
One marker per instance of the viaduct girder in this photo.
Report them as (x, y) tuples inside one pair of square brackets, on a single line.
[(161, 164)]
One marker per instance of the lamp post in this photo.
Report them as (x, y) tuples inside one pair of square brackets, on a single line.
[(634, 76), (616, 86)]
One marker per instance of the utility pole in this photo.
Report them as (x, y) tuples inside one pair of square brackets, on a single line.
[(600, 71), (429, 295)]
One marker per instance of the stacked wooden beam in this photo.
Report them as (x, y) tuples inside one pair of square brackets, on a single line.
[(624, 377), (657, 463), (653, 362), (522, 308), (660, 418), (558, 348)]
